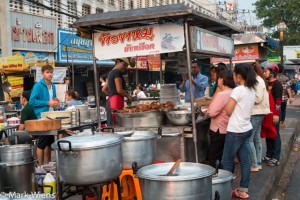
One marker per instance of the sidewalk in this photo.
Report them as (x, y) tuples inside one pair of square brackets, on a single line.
[(293, 188), (263, 183), (296, 101)]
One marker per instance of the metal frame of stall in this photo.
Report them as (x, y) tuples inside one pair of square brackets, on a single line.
[(89, 24)]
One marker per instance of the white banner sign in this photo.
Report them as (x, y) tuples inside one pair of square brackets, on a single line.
[(291, 52), (139, 41), (58, 75), (212, 43)]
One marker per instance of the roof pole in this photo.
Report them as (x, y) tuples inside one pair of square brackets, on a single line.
[(188, 55), (96, 82)]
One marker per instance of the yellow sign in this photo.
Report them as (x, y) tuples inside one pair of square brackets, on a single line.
[(17, 85), (12, 64), (37, 59)]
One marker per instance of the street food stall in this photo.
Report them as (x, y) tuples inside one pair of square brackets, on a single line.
[(157, 131)]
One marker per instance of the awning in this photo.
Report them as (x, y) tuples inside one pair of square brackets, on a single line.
[(147, 16), (255, 38)]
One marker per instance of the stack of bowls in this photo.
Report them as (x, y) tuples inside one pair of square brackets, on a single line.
[(168, 92)]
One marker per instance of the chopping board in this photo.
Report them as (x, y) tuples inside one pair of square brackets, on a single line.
[(42, 125)]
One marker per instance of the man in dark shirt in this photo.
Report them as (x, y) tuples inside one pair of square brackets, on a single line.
[(27, 113)]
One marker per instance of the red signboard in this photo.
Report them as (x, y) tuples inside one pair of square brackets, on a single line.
[(241, 52)]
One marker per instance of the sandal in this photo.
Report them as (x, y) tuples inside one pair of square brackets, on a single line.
[(235, 194)]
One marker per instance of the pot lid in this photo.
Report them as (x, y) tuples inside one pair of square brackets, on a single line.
[(140, 135), (222, 176), (96, 140), (185, 171)]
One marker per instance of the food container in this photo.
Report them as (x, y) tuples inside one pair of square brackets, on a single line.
[(140, 119), (89, 159), (192, 181), (65, 116), (42, 125), (13, 121), (179, 117), (139, 147), (222, 183)]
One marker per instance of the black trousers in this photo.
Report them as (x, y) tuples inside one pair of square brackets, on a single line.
[(283, 110), (216, 147)]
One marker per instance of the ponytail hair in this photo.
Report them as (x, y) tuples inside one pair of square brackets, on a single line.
[(247, 72), (73, 94)]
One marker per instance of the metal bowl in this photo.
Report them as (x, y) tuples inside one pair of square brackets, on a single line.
[(179, 117)]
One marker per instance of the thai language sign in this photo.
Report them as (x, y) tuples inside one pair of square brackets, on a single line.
[(11, 64), (204, 41), (17, 85), (139, 41), (31, 32), (241, 53), (38, 59)]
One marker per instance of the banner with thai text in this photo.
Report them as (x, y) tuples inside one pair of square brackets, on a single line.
[(10, 64), (140, 41), (207, 42), (37, 59), (17, 85)]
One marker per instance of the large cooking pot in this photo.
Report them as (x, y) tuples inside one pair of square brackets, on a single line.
[(89, 159), (17, 169), (192, 182), (140, 119), (140, 147), (222, 183)]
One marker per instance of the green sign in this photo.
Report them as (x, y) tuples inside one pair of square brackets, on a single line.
[(275, 58)]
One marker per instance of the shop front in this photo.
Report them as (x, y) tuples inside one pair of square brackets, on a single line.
[(34, 40)]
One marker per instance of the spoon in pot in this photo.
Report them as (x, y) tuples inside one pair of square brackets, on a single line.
[(174, 167)]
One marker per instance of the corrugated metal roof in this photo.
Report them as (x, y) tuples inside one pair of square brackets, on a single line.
[(145, 16)]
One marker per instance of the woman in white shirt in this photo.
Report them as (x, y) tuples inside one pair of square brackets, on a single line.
[(239, 129)]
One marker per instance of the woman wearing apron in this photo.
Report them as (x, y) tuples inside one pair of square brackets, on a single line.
[(115, 88)]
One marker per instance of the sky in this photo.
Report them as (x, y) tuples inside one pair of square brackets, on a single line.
[(247, 5)]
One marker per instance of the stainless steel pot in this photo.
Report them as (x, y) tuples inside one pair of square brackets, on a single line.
[(17, 169), (140, 119), (222, 183), (192, 182), (89, 159), (16, 154), (140, 147)]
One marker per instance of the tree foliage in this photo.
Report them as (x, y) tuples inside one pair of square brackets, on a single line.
[(271, 12)]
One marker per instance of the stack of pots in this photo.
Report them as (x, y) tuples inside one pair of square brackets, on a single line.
[(84, 112), (192, 181), (89, 159), (138, 147), (17, 169), (168, 92)]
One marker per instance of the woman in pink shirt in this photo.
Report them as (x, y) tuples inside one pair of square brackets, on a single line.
[(219, 118)]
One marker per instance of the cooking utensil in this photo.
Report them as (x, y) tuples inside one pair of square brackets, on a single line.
[(42, 125), (192, 183), (65, 116), (140, 147), (140, 119), (179, 117), (17, 169), (89, 159), (174, 167)]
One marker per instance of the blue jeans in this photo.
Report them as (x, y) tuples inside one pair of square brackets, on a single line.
[(255, 146), (237, 143), (274, 145)]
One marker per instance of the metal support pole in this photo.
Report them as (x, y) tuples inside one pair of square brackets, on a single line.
[(160, 71), (281, 48), (96, 83), (188, 55)]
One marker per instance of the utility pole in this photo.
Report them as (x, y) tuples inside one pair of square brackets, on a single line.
[(5, 32)]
